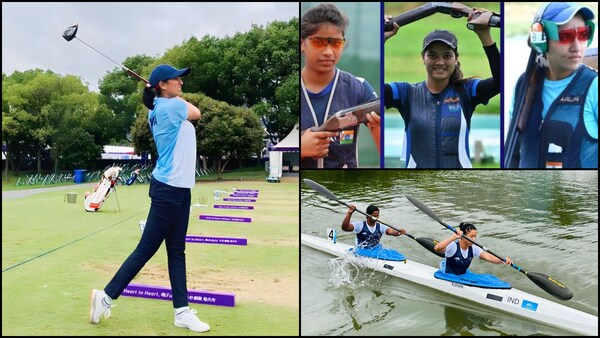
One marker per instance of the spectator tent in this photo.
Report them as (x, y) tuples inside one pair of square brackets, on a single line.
[(290, 144)]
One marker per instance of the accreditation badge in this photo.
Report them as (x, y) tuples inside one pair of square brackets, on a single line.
[(347, 136)]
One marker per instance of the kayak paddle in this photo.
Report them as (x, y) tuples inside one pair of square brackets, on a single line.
[(427, 243), (547, 283)]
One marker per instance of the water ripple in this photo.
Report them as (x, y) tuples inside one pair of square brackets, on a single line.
[(546, 221)]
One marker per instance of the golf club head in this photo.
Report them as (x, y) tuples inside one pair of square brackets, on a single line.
[(70, 32)]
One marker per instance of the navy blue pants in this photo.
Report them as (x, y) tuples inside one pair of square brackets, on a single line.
[(167, 220)]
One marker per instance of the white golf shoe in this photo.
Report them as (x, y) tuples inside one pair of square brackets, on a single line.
[(188, 319), (98, 306)]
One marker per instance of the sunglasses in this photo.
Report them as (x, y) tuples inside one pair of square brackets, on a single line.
[(567, 36), (321, 42)]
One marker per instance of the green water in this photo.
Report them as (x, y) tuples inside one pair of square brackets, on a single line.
[(545, 221)]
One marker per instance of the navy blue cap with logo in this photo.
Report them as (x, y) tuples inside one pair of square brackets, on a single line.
[(164, 72), (442, 36)]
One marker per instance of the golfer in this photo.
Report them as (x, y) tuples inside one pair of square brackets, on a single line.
[(175, 137)]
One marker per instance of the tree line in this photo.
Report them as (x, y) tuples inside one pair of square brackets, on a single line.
[(246, 85)]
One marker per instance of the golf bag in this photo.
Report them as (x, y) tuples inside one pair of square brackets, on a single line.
[(102, 189)]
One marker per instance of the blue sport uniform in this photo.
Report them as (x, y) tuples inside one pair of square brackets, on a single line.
[(366, 237), (457, 261), (344, 91), (170, 192), (437, 126), (562, 129)]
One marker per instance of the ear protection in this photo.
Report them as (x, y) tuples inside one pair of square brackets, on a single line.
[(537, 35), (542, 30)]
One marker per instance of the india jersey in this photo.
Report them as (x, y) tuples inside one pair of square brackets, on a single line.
[(175, 139)]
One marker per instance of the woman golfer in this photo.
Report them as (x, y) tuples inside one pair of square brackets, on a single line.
[(172, 179)]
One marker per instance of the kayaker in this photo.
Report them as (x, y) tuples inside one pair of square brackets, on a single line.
[(437, 112), (458, 262), (368, 232)]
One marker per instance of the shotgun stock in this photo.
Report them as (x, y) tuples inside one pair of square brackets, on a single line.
[(350, 117), (522, 107)]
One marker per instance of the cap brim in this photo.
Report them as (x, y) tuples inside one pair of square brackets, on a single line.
[(184, 71), (446, 42), (568, 14)]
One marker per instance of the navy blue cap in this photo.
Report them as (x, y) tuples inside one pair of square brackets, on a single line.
[(165, 72), (442, 36)]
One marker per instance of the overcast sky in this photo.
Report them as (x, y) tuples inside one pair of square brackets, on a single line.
[(32, 32)]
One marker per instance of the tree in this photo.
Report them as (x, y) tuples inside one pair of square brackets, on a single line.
[(259, 67), (49, 111), (122, 95), (226, 132)]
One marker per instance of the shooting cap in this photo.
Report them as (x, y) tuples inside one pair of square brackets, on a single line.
[(165, 72), (442, 36), (562, 12)]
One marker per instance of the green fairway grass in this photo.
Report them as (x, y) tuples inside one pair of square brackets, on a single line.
[(54, 253)]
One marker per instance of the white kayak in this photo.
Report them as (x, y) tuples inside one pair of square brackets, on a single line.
[(509, 300)]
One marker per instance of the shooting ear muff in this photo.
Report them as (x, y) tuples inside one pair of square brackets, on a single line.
[(590, 23), (537, 35)]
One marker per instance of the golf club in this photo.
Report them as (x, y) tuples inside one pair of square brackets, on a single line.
[(69, 34)]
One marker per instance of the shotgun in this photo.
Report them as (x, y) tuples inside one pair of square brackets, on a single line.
[(454, 9), (349, 117), (523, 101)]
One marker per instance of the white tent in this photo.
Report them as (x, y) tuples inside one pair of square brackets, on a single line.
[(291, 143)]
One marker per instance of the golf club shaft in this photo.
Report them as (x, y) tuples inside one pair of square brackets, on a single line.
[(131, 72)]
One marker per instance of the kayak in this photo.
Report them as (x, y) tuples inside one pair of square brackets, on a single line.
[(480, 280), (378, 252), (509, 300)]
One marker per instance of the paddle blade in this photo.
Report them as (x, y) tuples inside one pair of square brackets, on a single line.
[(320, 189), (424, 209), (429, 244), (550, 285)]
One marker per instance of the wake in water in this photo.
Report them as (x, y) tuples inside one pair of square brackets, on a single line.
[(349, 271), (359, 292)]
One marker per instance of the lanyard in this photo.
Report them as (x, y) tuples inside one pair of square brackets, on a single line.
[(312, 110)]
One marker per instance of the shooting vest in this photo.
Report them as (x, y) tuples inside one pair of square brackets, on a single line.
[(366, 238), (560, 140), (457, 264), (437, 127), (348, 92)]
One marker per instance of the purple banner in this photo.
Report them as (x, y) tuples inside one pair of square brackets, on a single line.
[(243, 195), (224, 206), (216, 240), (225, 218), (246, 190), (239, 200), (194, 296)]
